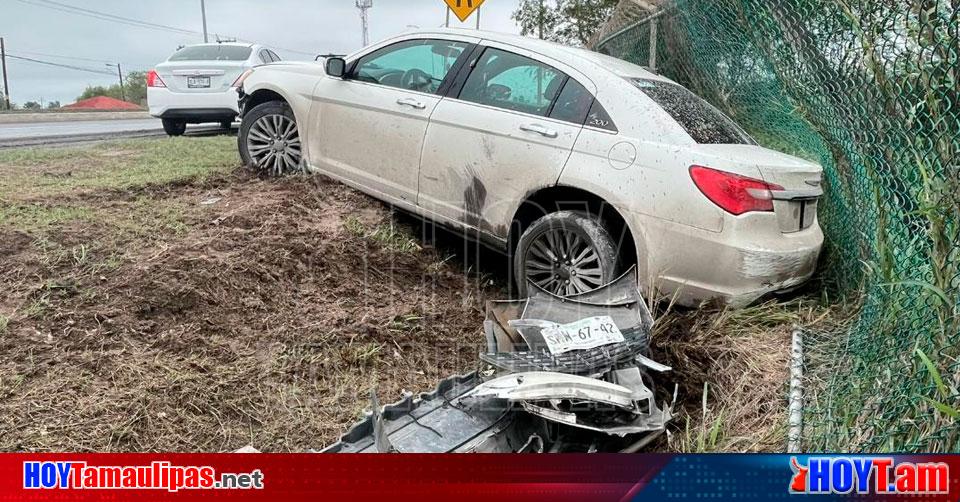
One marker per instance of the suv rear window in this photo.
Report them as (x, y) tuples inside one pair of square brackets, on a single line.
[(703, 122), (212, 53)]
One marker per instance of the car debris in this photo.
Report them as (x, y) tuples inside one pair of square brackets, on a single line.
[(559, 374)]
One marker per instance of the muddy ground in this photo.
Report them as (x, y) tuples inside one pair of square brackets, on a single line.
[(158, 301)]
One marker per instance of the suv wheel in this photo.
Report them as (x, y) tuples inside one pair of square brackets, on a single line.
[(269, 140), (565, 253), (174, 127)]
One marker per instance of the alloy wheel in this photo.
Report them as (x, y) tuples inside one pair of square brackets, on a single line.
[(564, 263), (274, 144)]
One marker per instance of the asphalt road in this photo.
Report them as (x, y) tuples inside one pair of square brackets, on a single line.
[(52, 133), (39, 130)]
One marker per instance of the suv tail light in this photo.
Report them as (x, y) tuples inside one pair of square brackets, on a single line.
[(734, 194), (154, 80)]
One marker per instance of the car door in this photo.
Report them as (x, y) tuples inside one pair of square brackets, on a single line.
[(371, 124), (496, 139)]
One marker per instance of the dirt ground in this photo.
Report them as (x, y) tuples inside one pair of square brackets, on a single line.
[(158, 297)]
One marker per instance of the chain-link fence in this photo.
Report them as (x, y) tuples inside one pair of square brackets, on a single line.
[(868, 88)]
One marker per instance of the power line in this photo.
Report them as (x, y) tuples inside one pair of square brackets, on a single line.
[(103, 16), (70, 67), (84, 59), (49, 4), (58, 56)]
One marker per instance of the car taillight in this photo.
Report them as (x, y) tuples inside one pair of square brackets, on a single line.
[(243, 76), (734, 194), (154, 80)]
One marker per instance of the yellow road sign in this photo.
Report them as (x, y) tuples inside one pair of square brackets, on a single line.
[(463, 8)]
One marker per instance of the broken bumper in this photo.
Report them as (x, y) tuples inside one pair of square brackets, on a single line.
[(530, 398)]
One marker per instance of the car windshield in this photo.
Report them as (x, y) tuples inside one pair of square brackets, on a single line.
[(703, 122), (212, 53)]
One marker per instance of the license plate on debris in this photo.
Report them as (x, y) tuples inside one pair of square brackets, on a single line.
[(583, 334), (198, 82)]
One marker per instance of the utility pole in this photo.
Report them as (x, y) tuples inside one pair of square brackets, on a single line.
[(119, 74), (6, 86), (123, 97), (203, 12), (364, 6)]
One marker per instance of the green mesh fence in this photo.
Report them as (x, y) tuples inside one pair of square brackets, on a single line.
[(869, 89)]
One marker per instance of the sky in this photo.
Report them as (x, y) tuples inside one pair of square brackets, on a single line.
[(41, 29)]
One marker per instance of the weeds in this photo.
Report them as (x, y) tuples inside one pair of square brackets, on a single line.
[(734, 364), (385, 235), (705, 436)]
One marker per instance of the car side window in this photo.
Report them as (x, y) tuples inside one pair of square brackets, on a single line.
[(506, 80), (264, 56), (274, 56), (415, 65), (573, 104)]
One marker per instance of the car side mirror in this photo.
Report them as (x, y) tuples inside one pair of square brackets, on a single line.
[(336, 67)]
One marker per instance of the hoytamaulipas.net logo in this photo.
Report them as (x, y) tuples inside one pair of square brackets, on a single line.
[(868, 475), (156, 476)]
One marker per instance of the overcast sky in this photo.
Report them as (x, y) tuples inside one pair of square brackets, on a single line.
[(312, 26)]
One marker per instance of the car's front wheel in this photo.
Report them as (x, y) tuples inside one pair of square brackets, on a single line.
[(269, 140), (174, 127), (566, 253)]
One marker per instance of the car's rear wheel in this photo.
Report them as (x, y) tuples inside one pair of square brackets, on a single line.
[(566, 253), (269, 140), (174, 127)]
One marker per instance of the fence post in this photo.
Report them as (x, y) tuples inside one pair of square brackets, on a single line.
[(653, 45)]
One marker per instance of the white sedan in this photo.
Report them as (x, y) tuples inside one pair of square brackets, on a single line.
[(198, 84), (577, 164)]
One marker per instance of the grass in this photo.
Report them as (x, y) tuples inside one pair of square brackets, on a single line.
[(184, 326), (36, 216), (32, 173), (45, 188), (732, 368), (386, 235)]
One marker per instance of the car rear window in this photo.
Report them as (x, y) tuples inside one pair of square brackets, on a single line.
[(703, 122), (212, 53)]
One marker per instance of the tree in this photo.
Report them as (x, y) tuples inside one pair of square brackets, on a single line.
[(570, 22), (53, 104), (32, 105), (134, 89)]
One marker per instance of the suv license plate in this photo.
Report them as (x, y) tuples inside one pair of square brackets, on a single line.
[(198, 82)]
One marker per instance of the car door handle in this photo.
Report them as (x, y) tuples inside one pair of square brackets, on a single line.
[(539, 129), (412, 103)]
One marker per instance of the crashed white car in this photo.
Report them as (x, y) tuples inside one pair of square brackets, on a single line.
[(198, 84), (577, 164)]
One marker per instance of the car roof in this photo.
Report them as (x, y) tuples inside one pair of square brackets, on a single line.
[(551, 49), (214, 44)]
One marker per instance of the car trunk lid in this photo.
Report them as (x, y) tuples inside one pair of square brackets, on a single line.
[(199, 76), (795, 205)]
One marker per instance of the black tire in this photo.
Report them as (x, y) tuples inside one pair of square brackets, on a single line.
[(249, 120), (581, 228), (174, 127)]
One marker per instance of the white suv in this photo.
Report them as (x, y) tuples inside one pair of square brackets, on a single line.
[(576, 163), (197, 84)]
